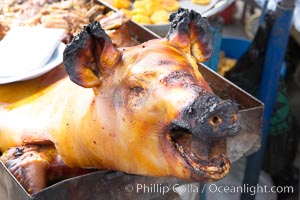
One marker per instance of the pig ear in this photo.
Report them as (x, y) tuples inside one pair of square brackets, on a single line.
[(191, 33), (91, 56)]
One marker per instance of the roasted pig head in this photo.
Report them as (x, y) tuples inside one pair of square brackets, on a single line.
[(143, 110), (156, 113)]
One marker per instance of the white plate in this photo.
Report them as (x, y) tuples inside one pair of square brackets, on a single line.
[(214, 7), (54, 61)]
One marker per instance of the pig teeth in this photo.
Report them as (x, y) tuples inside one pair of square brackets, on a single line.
[(179, 147), (213, 169)]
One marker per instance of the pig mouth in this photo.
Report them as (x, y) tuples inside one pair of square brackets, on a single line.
[(205, 158)]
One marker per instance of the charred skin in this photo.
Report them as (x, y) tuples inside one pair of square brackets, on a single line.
[(143, 110), (91, 50), (191, 32)]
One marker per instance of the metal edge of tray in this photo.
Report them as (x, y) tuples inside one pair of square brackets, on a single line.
[(10, 188), (96, 185), (108, 185)]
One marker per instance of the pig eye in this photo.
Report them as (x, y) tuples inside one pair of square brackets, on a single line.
[(215, 120), (136, 89), (136, 96)]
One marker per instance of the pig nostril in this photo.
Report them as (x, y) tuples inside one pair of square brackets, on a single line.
[(215, 120), (222, 164), (234, 118)]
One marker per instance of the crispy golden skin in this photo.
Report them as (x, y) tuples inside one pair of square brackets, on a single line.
[(143, 110)]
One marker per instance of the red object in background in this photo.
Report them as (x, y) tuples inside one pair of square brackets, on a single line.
[(228, 13)]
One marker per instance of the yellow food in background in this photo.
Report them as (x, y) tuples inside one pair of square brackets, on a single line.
[(150, 11), (121, 4), (147, 11), (160, 17), (126, 12), (139, 11), (170, 5), (156, 10), (152, 6), (202, 2), (142, 19), (225, 63)]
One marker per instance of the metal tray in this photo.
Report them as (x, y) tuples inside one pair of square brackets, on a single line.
[(117, 185)]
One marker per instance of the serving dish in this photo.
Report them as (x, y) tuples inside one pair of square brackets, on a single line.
[(54, 61)]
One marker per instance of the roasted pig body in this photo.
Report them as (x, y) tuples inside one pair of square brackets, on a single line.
[(143, 110)]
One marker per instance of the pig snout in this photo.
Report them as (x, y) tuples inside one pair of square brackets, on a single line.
[(209, 117)]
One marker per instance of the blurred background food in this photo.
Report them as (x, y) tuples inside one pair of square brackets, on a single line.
[(70, 15), (147, 11), (225, 63), (150, 11), (202, 2)]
